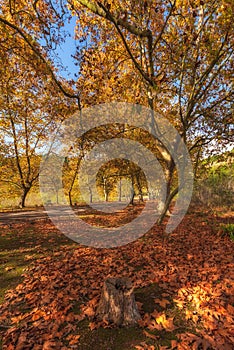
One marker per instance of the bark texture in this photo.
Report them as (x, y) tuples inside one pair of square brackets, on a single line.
[(117, 304)]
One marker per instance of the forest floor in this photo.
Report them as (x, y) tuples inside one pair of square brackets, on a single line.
[(50, 286)]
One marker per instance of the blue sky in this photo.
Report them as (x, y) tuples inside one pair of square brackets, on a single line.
[(65, 51)]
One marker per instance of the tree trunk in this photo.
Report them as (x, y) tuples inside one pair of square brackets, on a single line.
[(70, 198), (169, 195), (57, 196), (120, 190), (139, 188), (106, 196), (167, 204), (106, 190), (23, 197), (73, 181), (132, 195), (90, 197), (169, 177), (117, 304), (132, 198)]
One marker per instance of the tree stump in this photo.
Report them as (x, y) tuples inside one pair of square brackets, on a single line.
[(117, 304)]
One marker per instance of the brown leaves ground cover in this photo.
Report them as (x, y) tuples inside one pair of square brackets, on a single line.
[(183, 286)]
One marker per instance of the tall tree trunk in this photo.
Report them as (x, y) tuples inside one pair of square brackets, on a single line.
[(105, 189), (90, 194), (106, 195), (169, 195), (25, 191), (120, 190), (73, 181), (167, 204), (169, 177), (57, 196), (132, 195), (139, 188)]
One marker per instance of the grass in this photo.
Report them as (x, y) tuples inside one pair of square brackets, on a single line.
[(228, 229)]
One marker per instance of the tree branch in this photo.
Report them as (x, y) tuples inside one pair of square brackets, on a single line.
[(101, 11), (136, 64), (36, 50)]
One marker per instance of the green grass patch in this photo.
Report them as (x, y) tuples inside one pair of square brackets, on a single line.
[(228, 229)]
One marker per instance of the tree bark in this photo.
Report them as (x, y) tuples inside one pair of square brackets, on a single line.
[(167, 204), (73, 181), (90, 195), (132, 195), (117, 304), (23, 197), (120, 190)]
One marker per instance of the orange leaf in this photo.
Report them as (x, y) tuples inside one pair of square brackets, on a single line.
[(92, 326), (154, 325), (174, 344), (74, 340), (89, 311), (49, 345)]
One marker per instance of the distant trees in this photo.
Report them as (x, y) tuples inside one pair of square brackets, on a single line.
[(215, 182), (109, 180)]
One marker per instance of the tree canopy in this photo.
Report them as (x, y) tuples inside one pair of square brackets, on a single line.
[(175, 57)]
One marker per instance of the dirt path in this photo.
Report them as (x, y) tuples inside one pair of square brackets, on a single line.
[(34, 214)]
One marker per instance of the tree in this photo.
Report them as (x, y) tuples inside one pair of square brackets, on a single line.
[(31, 95), (36, 26), (182, 53), (28, 114), (174, 56), (215, 183)]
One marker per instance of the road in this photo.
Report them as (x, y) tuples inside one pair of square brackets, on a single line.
[(39, 213), (34, 214)]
